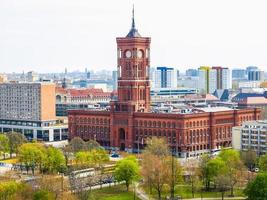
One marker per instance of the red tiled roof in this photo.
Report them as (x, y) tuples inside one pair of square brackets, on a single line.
[(83, 92)]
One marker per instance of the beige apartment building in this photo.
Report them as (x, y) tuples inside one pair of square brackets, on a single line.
[(29, 108)]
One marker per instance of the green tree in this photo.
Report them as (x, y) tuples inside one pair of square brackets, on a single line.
[(55, 160), (214, 168), (43, 195), (8, 190), (4, 145), (158, 147), (32, 155), (92, 144), (233, 165), (77, 144), (203, 170), (99, 157), (263, 163), (127, 170), (249, 158), (222, 183), (83, 158), (15, 140), (257, 189), (159, 168)]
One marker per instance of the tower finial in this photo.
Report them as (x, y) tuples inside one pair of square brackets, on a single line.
[(133, 23), (133, 31)]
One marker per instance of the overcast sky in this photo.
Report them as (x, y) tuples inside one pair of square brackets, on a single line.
[(49, 35)]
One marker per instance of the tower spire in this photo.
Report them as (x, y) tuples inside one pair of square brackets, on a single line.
[(133, 22), (133, 32)]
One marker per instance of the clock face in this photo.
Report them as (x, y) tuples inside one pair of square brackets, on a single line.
[(128, 54), (140, 54)]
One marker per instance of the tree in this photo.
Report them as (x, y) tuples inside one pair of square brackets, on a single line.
[(263, 163), (32, 155), (214, 168), (233, 165), (158, 147), (4, 145), (222, 183), (83, 158), (9, 189), (55, 160), (77, 144), (43, 195), (91, 145), (203, 169), (99, 156), (257, 189), (192, 173), (159, 168), (15, 140), (127, 170), (249, 158)]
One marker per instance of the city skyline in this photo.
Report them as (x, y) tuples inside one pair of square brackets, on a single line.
[(51, 36)]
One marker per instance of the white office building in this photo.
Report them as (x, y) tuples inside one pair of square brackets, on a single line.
[(251, 135), (164, 77)]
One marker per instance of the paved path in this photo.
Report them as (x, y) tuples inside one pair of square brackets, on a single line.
[(218, 198), (141, 194)]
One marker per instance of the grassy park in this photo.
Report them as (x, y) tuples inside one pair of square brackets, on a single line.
[(113, 193), (184, 191)]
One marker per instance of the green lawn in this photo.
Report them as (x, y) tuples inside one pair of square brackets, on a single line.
[(113, 193), (185, 192)]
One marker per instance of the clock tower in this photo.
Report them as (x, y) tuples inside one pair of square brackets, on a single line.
[(133, 58)]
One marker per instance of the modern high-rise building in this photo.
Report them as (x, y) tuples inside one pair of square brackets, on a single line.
[(239, 74), (214, 78), (191, 72), (256, 75), (29, 108), (165, 77)]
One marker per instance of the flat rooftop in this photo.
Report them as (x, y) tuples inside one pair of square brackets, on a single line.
[(215, 109)]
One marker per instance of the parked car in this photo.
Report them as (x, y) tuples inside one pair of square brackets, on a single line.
[(115, 155)]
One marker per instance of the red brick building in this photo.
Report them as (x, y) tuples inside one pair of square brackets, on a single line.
[(129, 123)]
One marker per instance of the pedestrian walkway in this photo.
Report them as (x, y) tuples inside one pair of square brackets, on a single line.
[(218, 198), (141, 194)]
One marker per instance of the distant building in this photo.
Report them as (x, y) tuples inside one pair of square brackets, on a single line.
[(256, 75), (222, 94), (191, 72), (32, 76), (251, 68), (252, 100), (29, 108), (249, 84), (114, 79), (169, 94), (239, 74), (3, 78), (214, 78), (88, 75), (251, 135), (188, 82), (79, 99), (165, 77)]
